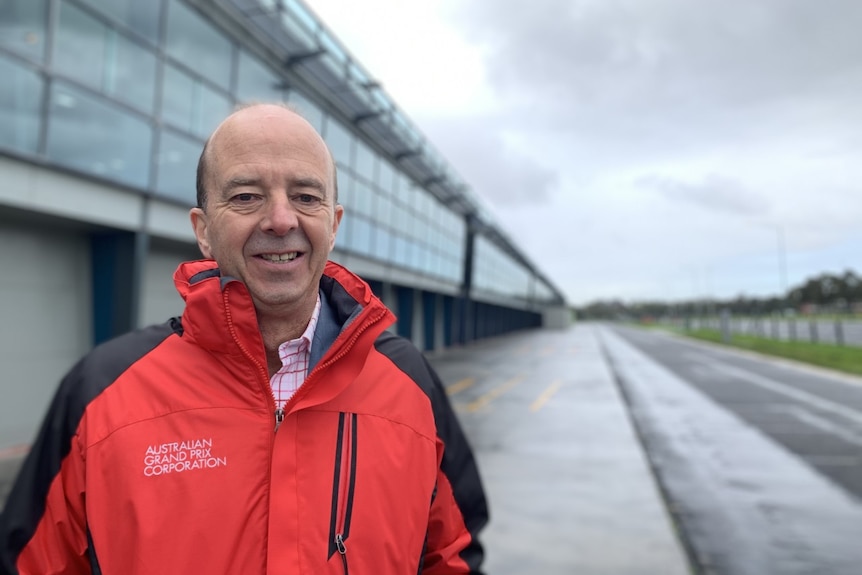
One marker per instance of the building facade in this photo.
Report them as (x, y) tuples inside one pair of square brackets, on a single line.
[(104, 108)]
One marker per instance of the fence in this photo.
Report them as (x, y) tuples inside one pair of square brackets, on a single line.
[(836, 331)]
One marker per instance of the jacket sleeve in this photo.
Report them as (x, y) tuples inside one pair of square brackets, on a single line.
[(43, 526), (459, 509)]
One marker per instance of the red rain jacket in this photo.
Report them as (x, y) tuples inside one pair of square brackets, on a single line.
[(161, 453)]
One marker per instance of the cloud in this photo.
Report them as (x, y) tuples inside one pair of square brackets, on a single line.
[(494, 165), (714, 193), (642, 148), (647, 76)]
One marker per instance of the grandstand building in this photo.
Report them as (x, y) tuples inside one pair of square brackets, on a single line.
[(104, 108)]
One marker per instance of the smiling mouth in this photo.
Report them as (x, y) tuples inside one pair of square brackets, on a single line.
[(279, 258)]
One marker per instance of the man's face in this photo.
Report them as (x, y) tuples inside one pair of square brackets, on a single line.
[(270, 217)]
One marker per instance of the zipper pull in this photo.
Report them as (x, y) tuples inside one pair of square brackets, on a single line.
[(339, 543), (279, 417)]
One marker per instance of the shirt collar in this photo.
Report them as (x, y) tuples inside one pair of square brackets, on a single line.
[(307, 337)]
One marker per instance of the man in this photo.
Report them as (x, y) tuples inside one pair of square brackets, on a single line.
[(276, 428)]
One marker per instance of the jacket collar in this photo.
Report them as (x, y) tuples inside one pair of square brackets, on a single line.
[(220, 314)]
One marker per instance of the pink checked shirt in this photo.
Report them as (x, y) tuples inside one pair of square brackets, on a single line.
[(294, 356)]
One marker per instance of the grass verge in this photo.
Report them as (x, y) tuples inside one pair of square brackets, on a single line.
[(842, 358)]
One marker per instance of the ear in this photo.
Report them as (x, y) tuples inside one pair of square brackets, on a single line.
[(199, 225), (336, 221)]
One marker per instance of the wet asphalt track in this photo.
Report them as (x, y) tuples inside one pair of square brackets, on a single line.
[(761, 459)]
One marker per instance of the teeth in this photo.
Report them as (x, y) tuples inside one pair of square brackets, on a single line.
[(279, 257)]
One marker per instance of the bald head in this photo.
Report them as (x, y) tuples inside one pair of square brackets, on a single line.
[(252, 114)]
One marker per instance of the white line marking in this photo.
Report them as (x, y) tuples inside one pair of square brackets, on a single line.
[(791, 392), (822, 424)]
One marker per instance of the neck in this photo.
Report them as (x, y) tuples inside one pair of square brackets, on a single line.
[(275, 329)]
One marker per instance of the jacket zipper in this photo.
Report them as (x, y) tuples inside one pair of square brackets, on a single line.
[(343, 484), (303, 389), (279, 412)]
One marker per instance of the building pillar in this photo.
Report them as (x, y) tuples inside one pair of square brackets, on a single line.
[(118, 260)]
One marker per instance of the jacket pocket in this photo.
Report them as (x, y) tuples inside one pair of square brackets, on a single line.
[(343, 484)]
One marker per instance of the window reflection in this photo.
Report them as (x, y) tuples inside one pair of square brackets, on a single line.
[(118, 144), (256, 82), (79, 47), (177, 163), (382, 243), (339, 140), (139, 16), (361, 237), (190, 105), (94, 54), (22, 27), (193, 40), (345, 232), (366, 161), (20, 98), (308, 109), (133, 78)]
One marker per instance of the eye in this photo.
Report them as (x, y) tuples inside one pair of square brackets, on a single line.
[(308, 199), (243, 198)]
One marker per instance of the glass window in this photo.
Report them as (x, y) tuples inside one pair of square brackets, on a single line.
[(400, 217), (92, 53), (346, 194), (22, 27), (131, 73), (340, 142), (194, 42), (382, 243), (178, 98), (400, 253), (298, 19), (383, 211), (177, 166), (20, 100), (365, 162), (422, 258), (190, 105), (418, 229), (256, 81), (385, 174), (345, 228), (212, 107), (79, 49), (307, 109), (141, 17), (364, 197), (409, 254), (361, 241), (91, 135)]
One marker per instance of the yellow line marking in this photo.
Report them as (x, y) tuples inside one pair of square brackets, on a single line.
[(460, 386), (484, 400), (546, 396)]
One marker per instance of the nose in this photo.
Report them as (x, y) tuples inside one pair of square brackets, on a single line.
[(280, 217)]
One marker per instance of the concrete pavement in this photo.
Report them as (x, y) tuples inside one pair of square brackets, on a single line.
[(570, 488)]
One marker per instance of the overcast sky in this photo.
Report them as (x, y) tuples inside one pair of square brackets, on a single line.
[(639, 149)]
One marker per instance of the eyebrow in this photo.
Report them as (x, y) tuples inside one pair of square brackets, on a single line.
[(240, 182), (309, 183), (301, 182)]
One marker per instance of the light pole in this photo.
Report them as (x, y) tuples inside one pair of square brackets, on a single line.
[(782, 263)]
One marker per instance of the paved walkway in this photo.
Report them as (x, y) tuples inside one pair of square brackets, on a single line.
[(570, 487)]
